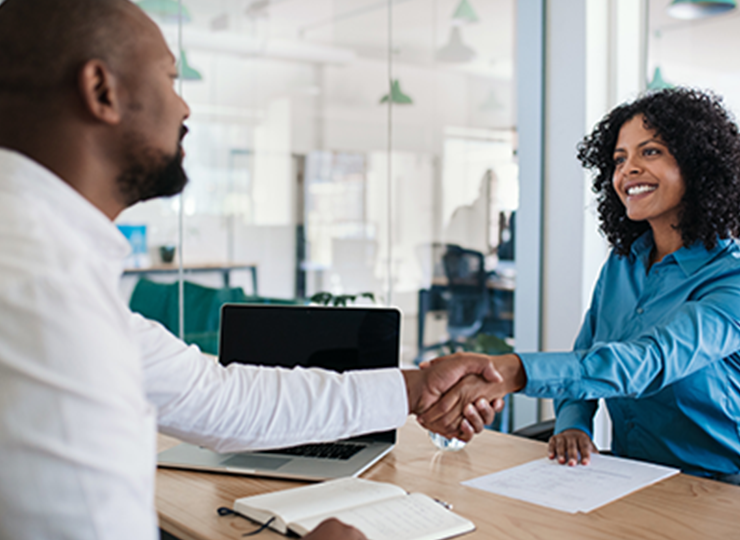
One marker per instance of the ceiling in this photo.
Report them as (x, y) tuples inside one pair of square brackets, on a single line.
[(420, 27), (704, 44)]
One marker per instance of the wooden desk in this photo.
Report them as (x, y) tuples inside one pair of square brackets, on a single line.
[(224, 269), (682, 507)]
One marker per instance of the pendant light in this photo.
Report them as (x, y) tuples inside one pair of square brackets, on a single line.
[(658, 82), (396, 96), (187, 72), (464, 14), (699, 9), (455, 51), (166, 10)]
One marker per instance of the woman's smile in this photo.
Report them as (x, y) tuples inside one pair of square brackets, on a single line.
[(646, 176)]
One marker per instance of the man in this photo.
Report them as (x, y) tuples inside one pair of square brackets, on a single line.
[(89, 125)]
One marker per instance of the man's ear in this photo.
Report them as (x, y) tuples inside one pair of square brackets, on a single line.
[(100, 91)]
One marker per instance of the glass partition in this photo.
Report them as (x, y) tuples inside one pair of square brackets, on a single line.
[(696, 52), (340, 147)]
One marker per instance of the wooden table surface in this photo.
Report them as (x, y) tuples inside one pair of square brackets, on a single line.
[(680, 507)]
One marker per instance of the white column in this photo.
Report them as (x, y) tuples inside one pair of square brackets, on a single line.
[(564, 201), (595, 60), (530, 119)]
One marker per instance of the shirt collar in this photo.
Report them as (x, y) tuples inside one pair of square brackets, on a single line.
[(690, 259), (24, 176)]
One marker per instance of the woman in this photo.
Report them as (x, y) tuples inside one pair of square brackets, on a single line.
[(661, 340)]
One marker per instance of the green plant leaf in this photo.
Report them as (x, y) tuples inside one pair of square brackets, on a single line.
[(322, 298)]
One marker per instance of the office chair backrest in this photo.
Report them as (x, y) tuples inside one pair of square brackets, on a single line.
[(464, 268), (160, 302), (468, 299)]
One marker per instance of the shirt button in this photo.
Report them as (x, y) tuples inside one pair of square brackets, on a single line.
[(640, 311)]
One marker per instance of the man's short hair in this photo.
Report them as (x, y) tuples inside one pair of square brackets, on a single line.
[(43, 43)]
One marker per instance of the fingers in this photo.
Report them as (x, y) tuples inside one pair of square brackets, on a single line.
[(448, 370), (498, 405), (551, 450), (491, 374), (446, 416), (571, 450), (450, 404), (442, 401), (483, 410), (466, 432), (474, 418), (572, 446), (556, 448)]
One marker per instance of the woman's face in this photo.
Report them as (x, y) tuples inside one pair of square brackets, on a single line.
[(646, 175)]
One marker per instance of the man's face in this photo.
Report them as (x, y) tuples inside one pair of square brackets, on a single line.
[(152, 123)]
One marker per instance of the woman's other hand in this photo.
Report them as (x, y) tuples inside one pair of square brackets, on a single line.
[(567, 446)]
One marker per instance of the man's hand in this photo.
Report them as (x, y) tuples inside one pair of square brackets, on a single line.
[(470, 396), (568, 445), (333, 529), (426, 386), (476, 415), (451, 413)]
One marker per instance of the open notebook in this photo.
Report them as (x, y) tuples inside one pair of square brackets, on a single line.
[(381, 511)]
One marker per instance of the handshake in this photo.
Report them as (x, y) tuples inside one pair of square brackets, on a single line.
[(457, 395)]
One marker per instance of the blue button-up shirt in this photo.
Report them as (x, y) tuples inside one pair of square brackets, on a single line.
[(663, 347)]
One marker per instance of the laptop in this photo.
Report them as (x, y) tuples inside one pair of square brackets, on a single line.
[(336, 338)]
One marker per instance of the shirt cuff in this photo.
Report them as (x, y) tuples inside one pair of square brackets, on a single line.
[(383, 398), (551, 374), (575, 415)]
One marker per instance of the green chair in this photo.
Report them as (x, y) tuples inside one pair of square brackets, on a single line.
[(160, 302)]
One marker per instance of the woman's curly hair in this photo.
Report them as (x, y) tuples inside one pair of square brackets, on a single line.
[(703, 138)]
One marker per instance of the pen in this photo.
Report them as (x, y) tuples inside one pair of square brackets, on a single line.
[(445, 504)]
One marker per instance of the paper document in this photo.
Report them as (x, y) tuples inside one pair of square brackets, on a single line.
[(573, 489)]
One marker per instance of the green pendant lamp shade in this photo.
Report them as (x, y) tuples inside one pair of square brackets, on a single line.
[(699, 9), (167, 10), (658, 82), (187, 72), (455, 51), (396, 96), (464, 14)]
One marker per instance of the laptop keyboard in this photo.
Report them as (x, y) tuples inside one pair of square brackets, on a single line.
[(342, 451)]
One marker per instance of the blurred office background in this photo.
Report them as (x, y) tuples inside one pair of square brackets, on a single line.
[(346, 146)]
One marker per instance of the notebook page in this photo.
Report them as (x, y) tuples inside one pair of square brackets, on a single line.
[(413, 517), (298, 503)]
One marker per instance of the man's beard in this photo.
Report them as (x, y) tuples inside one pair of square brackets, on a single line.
[(150, 173)]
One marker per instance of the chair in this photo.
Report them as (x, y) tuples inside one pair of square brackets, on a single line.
[(464, 297), (467, 302), (541, 431), (160, 302)]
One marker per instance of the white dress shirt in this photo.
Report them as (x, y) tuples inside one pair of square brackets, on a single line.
[(84, 382)]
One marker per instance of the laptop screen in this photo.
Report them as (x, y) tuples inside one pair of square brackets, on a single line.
[(340, 338)]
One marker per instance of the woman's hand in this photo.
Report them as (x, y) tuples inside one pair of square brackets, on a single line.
[(333, 529), (568, 445)]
